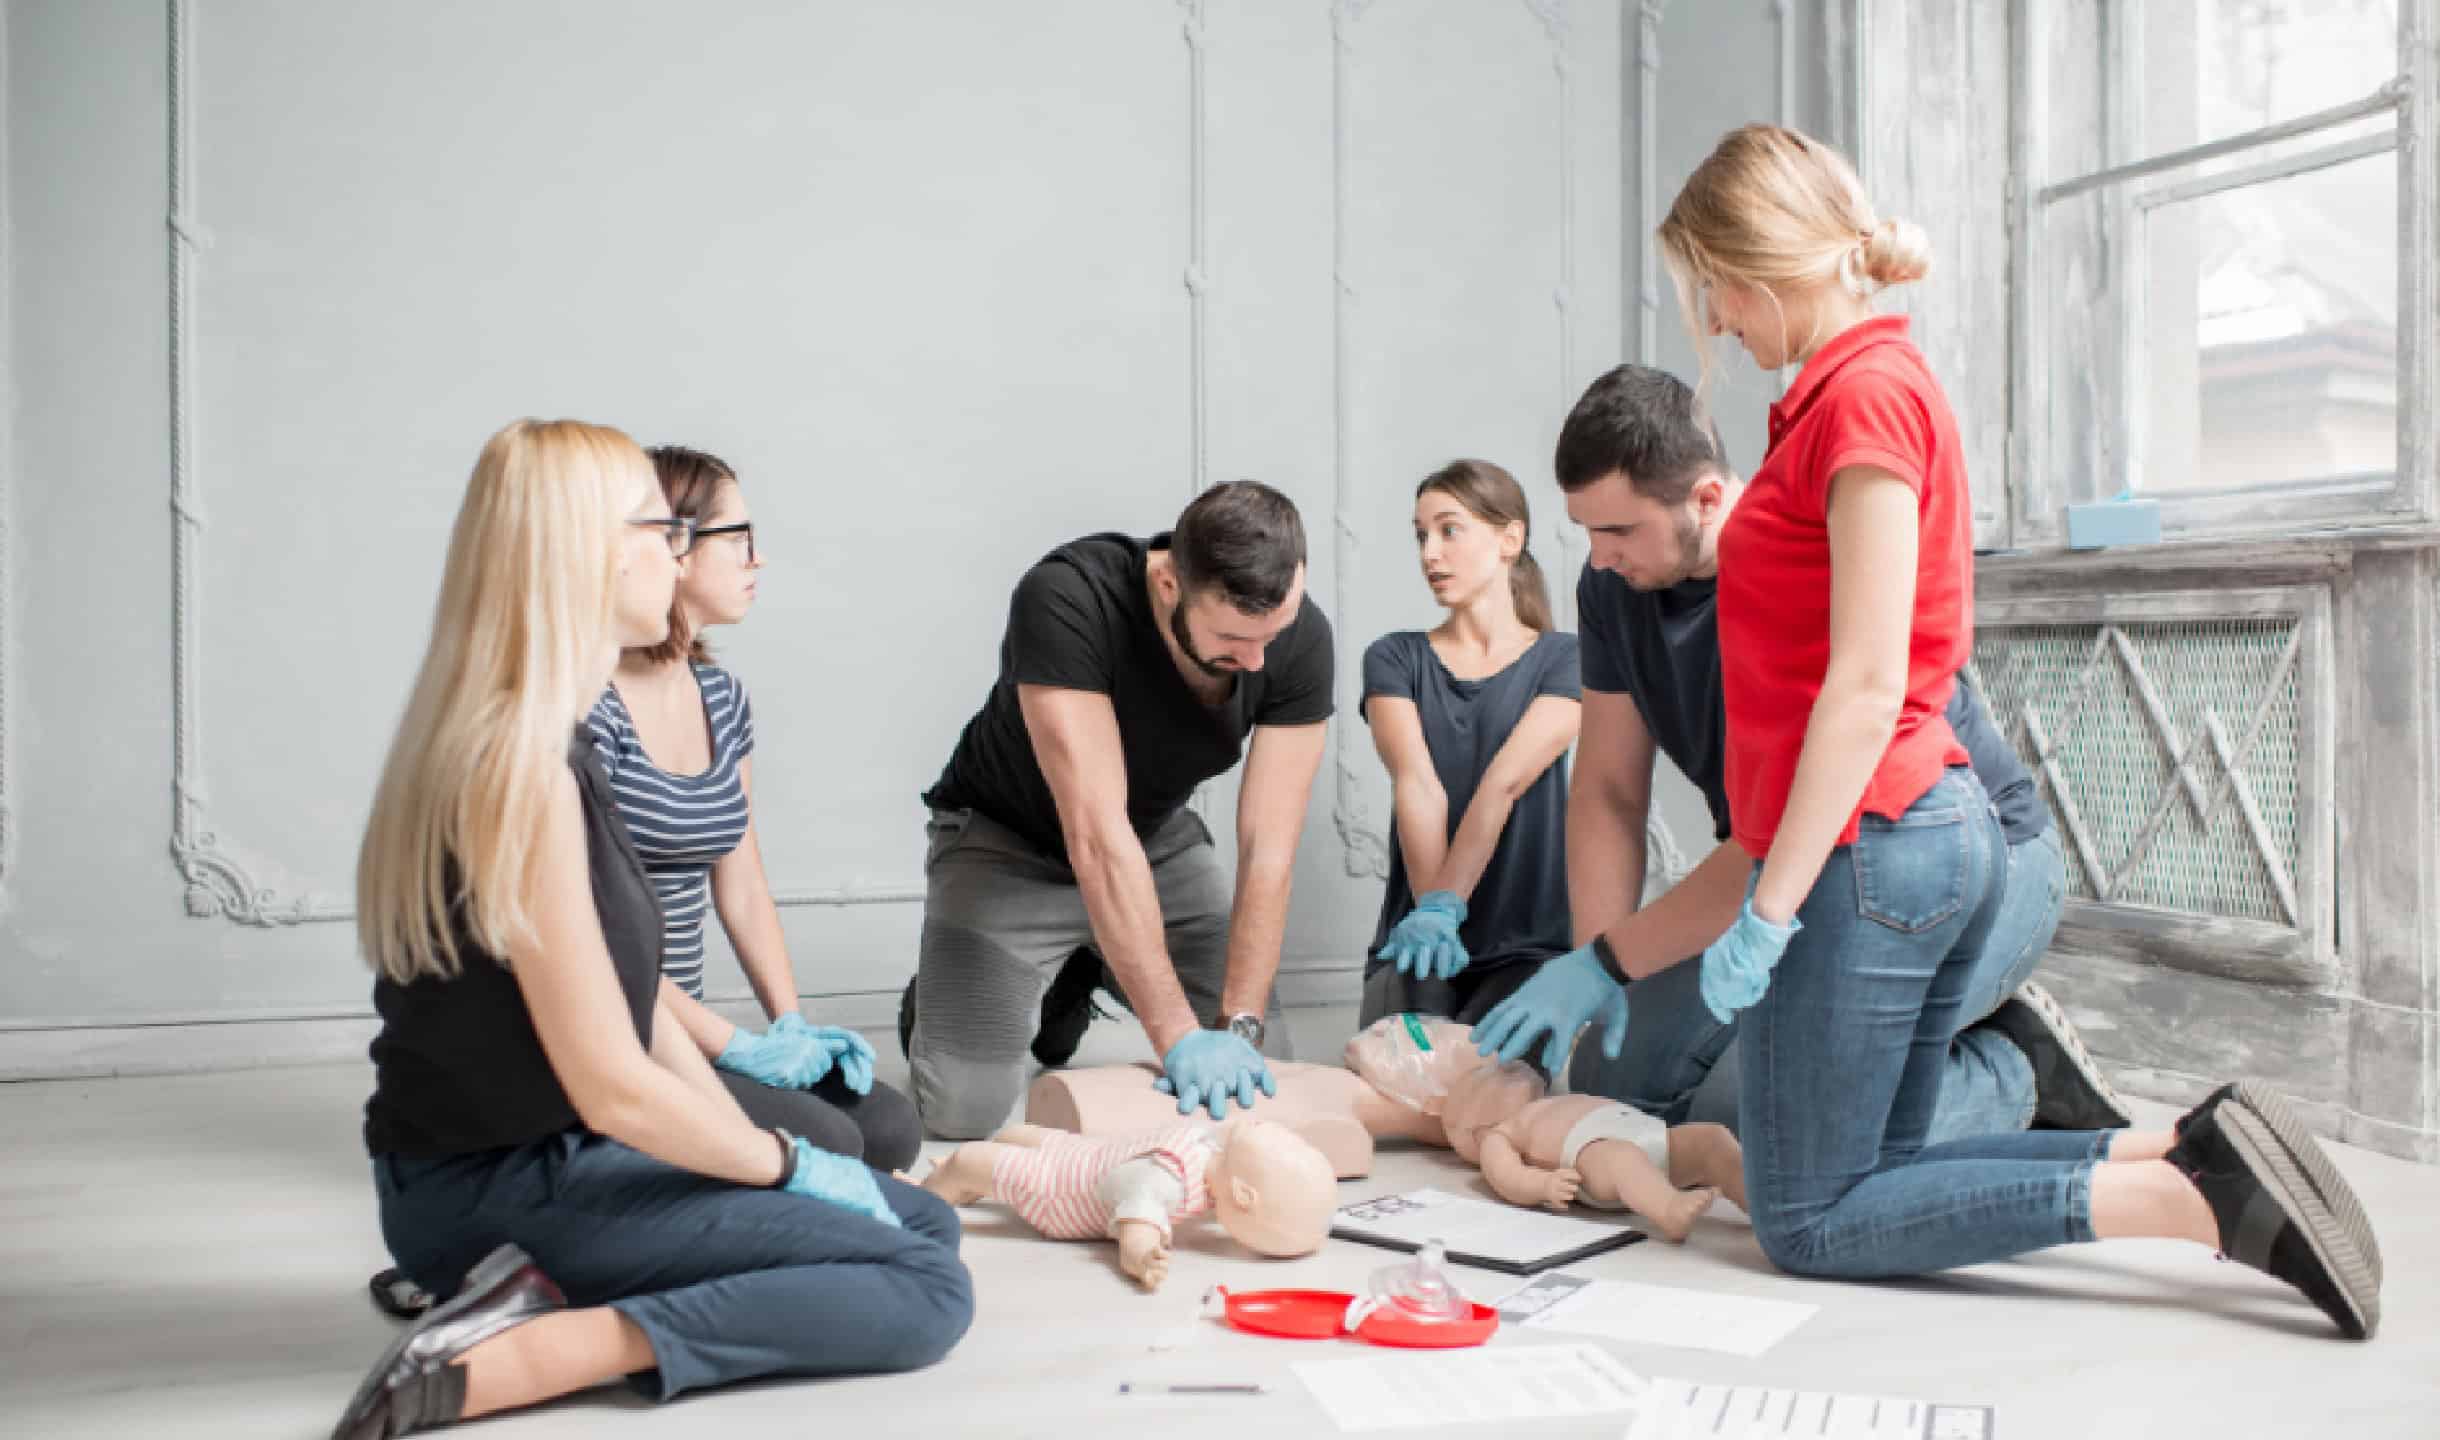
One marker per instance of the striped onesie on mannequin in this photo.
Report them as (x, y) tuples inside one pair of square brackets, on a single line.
[(1074, 1188)]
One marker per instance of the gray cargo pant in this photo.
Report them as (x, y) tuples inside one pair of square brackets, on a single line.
[(998, 915)]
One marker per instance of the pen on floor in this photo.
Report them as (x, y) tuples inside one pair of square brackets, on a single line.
[(1129, 1387)]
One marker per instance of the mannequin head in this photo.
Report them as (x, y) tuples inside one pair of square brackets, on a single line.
[(1483, 1100), (1271, 1189), (1390, 1059)]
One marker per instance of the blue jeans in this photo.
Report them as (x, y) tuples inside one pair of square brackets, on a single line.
[(1844, 1054), (1681, 1064), (727, 1282)]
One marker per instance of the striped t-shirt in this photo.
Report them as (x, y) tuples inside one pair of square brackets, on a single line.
[(681, 824)]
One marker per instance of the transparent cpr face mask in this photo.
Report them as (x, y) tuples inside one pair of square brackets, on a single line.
[(1418, 1288)]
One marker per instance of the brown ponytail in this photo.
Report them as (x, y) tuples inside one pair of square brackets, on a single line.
[(1493, 496)]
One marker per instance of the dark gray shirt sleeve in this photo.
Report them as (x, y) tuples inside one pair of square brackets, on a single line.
[(2022, 815), (1299, 692), (1603, 658), (1560, 669)]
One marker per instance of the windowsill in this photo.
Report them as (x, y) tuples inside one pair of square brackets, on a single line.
[(2312, 549)]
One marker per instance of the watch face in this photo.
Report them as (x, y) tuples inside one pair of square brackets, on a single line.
[(1246, 1028)]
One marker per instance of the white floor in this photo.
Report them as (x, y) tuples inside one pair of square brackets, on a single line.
[(186, 1256)]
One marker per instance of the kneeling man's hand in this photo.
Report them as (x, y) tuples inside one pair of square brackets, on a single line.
[(1563, 997), (1209, 1067)]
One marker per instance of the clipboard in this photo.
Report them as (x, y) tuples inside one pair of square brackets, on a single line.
[(1484, 1234)]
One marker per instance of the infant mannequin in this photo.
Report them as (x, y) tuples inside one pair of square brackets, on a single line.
[(1397, 1071), (1270, 1189), (1557, 1149)]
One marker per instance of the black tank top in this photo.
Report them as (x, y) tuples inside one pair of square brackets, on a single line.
[(457, 1065)]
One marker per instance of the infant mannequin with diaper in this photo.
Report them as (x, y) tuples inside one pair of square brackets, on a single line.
[(1270, 1188), (1554, 1150)]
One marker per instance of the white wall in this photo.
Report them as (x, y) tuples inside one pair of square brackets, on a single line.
[(920, 271)]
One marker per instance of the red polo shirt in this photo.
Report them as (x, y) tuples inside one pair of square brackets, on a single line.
[(1866, 398)]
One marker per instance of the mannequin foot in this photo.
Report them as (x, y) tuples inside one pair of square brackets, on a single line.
[(963, 1176), (1707, 1155), (1673, 1220)]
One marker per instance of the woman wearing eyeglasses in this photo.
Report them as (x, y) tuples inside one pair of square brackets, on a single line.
[(549, 1149), (676, 735)]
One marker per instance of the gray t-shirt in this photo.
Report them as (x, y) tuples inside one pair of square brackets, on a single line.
[(1518, 911), (1661, 648)]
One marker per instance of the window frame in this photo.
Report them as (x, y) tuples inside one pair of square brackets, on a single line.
[(2038, 491)]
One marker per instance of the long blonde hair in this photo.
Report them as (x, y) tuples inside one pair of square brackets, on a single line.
[(520, 639), (1774, 210)]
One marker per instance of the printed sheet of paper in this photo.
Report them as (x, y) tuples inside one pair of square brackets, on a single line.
[(1753, 1412), (1386, 1390), (1472, 1227), (1652, 1314)]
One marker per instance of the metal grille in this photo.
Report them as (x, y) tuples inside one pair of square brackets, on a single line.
[(2169, 752)]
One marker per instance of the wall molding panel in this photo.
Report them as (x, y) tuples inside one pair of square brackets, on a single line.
[(1363, 845), (8, 575), (1644, 323), (1197, 278), (1558, 27), (218, 882)]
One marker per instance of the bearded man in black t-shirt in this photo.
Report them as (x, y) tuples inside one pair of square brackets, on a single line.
[(1131, 671)]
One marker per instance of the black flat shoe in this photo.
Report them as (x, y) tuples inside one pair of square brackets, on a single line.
[(417, 1384), (2279, 1204), (398, 1297)]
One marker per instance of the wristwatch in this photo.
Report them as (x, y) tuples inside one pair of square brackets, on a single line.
[(1246, 1027)]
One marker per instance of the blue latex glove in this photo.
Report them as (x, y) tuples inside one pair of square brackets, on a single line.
[(1563, 997), (852, 1052), (1737, 966), (848, 1184), (791, 1062), (1425, 943), (1208, 1067)]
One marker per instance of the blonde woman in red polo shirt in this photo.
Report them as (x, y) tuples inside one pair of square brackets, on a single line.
[(1845, 610)]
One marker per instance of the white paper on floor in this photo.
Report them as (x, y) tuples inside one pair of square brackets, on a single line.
[(1753, 1412), (1652, 1314), (1455, 1387)]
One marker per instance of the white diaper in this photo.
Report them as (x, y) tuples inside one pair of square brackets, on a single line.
[(1615, 1122)]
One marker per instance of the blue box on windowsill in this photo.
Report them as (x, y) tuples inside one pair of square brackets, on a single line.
[(2113, 522)]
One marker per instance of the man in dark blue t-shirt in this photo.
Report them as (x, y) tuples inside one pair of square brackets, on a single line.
[(1650, 483)]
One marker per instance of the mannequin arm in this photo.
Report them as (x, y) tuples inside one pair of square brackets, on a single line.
[(1521, 1183)]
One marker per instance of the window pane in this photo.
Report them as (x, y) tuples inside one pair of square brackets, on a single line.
[(2215, 68), (2269, 334)]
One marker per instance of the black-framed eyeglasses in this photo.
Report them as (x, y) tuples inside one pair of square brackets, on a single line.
[(743, 527), (681, 532)]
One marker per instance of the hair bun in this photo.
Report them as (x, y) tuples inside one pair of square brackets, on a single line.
[(1896, 252)]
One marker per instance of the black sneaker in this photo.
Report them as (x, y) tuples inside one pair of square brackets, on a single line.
[(2069, 1090), (1068, 1009), (906, 1023), (2273, 1214), (2293, 1135)]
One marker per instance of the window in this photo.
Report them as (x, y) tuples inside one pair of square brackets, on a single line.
[(2207, 227)]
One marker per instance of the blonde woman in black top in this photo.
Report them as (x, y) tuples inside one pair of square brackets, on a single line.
[(549, 1149)]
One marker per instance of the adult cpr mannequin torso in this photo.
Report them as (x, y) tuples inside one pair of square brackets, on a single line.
[(1397, 1071)]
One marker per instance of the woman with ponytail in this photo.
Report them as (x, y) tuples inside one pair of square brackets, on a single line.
[(1473, 719), (1877, 866)]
